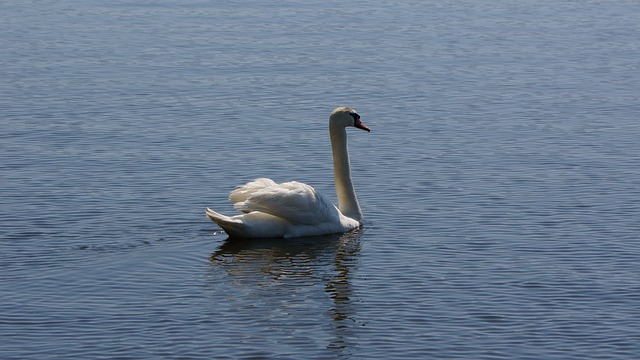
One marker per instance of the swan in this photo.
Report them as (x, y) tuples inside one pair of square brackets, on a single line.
[(294, 209)]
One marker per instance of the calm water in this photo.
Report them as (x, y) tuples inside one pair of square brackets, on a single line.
[(500, 184)]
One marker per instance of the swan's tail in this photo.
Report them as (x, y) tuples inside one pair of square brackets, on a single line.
[(255, 224), (230, 225)]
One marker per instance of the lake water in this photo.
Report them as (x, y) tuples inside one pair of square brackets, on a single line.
[(500, 183)]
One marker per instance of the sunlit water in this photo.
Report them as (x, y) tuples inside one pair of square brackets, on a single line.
[(500, 183)]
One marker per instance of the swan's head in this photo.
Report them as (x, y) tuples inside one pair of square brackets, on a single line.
[(346, 116)]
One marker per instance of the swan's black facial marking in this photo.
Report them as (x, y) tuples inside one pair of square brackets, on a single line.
[(355, 116)]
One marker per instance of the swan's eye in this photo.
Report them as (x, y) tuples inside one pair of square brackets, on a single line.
[(355, 116)]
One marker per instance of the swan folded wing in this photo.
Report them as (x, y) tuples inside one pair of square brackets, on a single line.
[(243, 192), (293, 201)]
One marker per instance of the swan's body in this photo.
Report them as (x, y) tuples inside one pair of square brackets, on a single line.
[(293, 209)]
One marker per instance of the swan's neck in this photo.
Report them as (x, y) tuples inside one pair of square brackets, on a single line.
[(347, 201)]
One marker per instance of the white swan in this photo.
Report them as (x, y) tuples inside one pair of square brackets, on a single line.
[(294, 209)]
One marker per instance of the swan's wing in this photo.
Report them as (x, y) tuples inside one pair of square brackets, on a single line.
[(243, 192), (293, 201)]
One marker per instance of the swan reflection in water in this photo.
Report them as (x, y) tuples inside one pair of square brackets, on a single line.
[(287, 275)]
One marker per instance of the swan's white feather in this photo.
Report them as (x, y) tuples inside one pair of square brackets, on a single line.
[(296, 202), (243, 192)]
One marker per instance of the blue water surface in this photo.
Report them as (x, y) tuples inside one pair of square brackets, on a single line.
[(500, 183)]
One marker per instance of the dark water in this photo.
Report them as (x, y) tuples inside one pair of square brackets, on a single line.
[(500, 184)]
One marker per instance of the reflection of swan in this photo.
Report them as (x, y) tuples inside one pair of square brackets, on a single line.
[(288, 282), (327, 247), (295, 209)]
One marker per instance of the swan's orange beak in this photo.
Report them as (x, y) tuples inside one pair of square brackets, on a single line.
[(362, 126)]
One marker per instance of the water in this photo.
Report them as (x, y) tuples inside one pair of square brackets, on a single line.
[(500, 184)]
